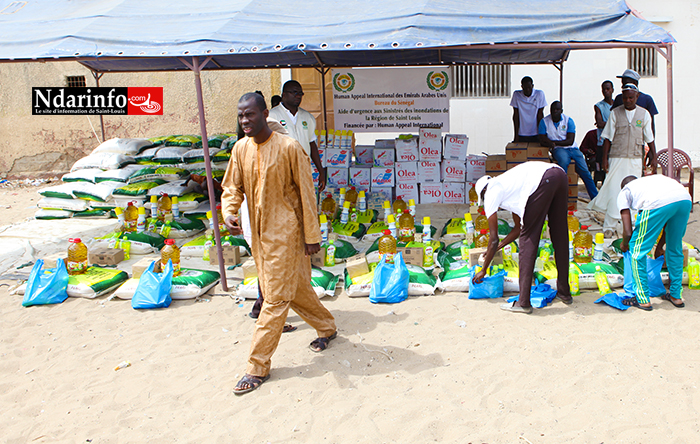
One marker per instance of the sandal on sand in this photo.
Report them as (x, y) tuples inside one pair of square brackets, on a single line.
[(516, 308), (669, 298), (288, 328), (250, 382), (320, 344), (632, 302), (566, 301)]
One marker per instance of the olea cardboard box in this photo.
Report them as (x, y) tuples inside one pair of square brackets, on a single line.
[(337, 177), (430, 144), (383, 177), (456, 147), (428, 171), (476, 167), (453, 171), (360, 178), (406, 172), (430, 193), (408, 191), (406, 149), (338, 158), (453, 193)]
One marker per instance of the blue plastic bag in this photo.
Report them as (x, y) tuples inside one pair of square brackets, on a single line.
[(656, 285), (615, 300), (153, 290), (490, 287), (46, 286), (390, 282), (540, 295)]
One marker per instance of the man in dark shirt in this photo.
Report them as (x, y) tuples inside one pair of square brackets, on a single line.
[(644, 100)]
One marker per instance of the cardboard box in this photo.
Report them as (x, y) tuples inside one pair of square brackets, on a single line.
[(383, 177), (337, 177), (315, 175), (357, 266), (537, 152), (408, 191), (249, 269), (50, 261), (430, 193), (428, 171), (411, 255), (364, 155), (384, 143), (572, 178), (456, 147), (430, 145), (360, 178), (573, 191), (453, 193), (517, 146), (105, 256), (571, 169), (572, 205), (338, 158), (476, 167), (495, 163), (142, 265), (377, 197), (406, 172), (322, 156), (453, 171), (318, 259), (516, 154), (231, 255), (406, 149), (384, 157), (475, 254)]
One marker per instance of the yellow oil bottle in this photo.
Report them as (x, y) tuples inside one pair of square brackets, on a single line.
[(328, 206), (172, 252), (77, 260), (407, 227), (473, 197), (165, 206), (351, 196), (583, 246), (131, 215), (399, 205), (387, 246), (481, 222), (572, 222), (482, 241)]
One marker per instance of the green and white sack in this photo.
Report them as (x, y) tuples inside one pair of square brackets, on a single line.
[(119, 175), (63, 191), (136, 189), (359, 286), (189, 284), (182, 141), (147, 154), (174, 188), (456, 278), (375, 231), (323, 282), (170, 155), (55, 203), (420, 282), (95, 282), (97, 192), (103, 161), (183, 227), (350, 231), (90, 213), (197, 155), (86, 175), (141, 243), (52, 214), (159, 173), (190, 202), (127, 147), (195, 247)]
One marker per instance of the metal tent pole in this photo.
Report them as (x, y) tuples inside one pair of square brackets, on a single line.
[(97, 77), (669, 111), (197, 69)]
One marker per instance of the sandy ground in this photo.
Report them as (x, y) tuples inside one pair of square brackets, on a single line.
[(441, 368)]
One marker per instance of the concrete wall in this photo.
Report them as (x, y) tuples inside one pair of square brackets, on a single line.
[(48, 145)]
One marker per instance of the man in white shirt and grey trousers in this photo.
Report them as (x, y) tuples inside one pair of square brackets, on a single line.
[(531, 191)]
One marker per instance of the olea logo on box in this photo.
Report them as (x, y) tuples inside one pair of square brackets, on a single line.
[(408, 157), (426, 150), (406, 173), (97, 101), (476, 162), (455, 194), (456, 140), (429, 135), (454, 170), (407, 186), (432, 192)]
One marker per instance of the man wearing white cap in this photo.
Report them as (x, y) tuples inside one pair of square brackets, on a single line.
[(628, 127), (531, 191), (644, 100)]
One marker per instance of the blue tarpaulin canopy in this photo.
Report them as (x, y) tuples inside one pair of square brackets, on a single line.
[(137, 35)]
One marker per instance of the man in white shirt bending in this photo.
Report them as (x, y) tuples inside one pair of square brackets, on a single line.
[(300, 124), (528, 109), (663, 203)]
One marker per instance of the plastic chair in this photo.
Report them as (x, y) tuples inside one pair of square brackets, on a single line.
[(680, 160)]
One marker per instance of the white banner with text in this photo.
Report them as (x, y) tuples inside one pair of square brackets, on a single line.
[(391, 99)]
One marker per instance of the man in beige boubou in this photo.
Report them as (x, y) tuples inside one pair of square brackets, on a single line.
[(274, 173)]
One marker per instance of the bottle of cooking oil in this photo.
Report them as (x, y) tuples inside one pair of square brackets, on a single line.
[(131, 215), (330, 254), (481, 222), (483, 239), (220, 215), (328, 206), (572, 222), (399, 205), (693, 274), (351, 196), (77, 260), (583, 246), (573, 280), (473, 197), (387, 246), (165, 206), (407, 227), (172, 252)]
